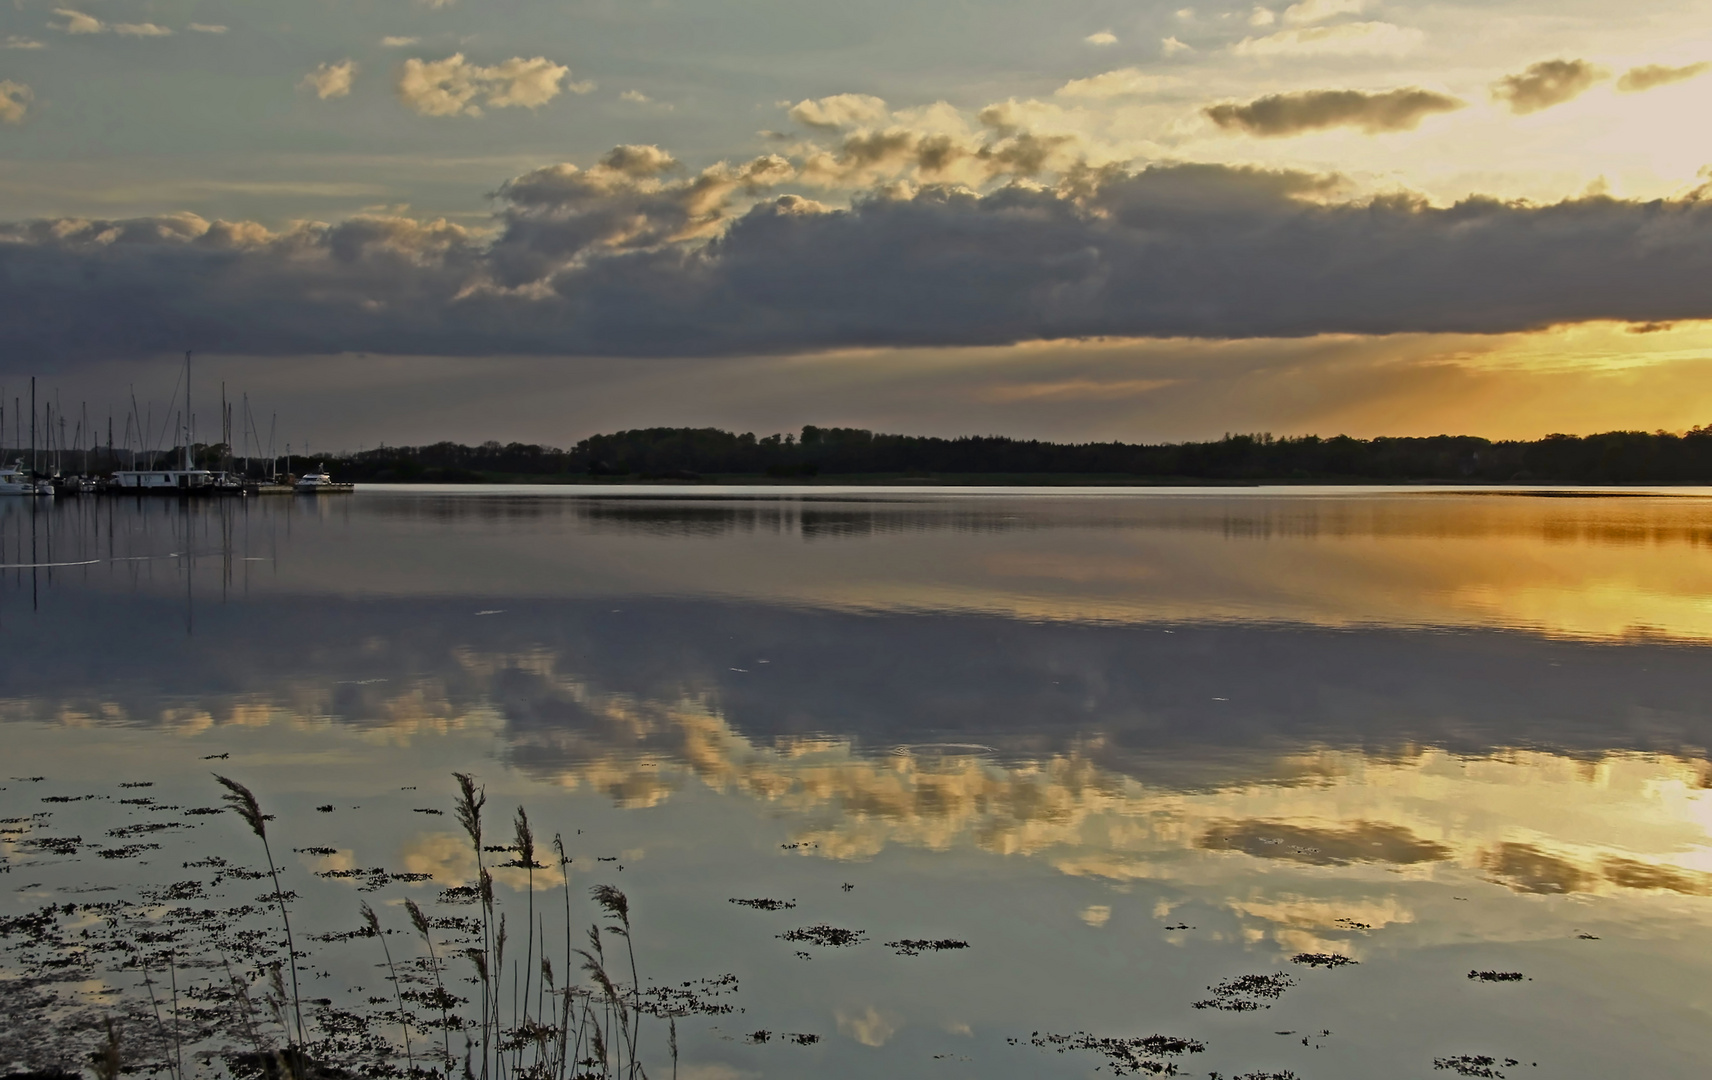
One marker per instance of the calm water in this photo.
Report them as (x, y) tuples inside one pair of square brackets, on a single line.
[(1127, 746)]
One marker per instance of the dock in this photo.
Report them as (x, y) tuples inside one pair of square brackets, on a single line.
[(289, 489)]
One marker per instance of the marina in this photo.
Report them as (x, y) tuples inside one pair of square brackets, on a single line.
[(74, 464)]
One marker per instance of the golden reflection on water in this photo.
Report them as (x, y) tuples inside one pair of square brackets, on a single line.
[(1579, 568), (1587, 567)]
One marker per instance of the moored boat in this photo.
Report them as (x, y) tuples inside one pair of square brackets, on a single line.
[(163, 481), (320, 482), (17, 480)]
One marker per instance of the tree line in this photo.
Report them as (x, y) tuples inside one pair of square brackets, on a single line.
[(691, 454)]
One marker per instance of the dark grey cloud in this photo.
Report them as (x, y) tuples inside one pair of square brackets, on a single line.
[(1547, 83), (601, 262), (1314, 110), (1648, 76)]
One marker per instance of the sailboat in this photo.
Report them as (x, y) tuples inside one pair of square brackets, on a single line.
[(186, 480)]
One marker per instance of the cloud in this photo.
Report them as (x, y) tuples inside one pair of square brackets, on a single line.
[(1096, 915), (1313, 11), (1361, 841), (13, 41), (331, 80), (1547, 83), (561, 214), (451, 86), (1262, 17), (839, 111), (77, 23), (870, 1027), (1341, 39), (1101, 37), (1313, 110), (207, 28), (1171, 47), (900, 154), (633, 257), (636, 97), (1648, 76), (390, 42), (15, 100), (1120, 83)]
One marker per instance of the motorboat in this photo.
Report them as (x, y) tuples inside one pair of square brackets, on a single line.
[(17, 480), (318, 482)]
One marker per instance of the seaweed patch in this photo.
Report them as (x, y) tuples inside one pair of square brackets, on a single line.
[(1479, 1065), (917, 946), (1322, 959), (1244, 993), (829, 936), (1136, 1054)]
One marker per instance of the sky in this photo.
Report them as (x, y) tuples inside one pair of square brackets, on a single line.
[(406, 220)]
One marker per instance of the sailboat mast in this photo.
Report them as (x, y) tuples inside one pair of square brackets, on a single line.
[(188, 420)]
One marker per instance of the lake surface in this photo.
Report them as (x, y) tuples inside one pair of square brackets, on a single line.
[(1131, 747)]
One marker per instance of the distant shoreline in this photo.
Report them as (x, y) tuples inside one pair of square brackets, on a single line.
[(1542, 488), (840, 457)]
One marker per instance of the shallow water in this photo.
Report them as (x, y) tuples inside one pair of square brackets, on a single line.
[(1128, 746)]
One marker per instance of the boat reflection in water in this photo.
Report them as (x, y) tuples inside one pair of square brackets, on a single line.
[(1431, 769)]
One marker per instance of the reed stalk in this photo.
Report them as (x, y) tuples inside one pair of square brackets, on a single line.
[(564, 1028), (617, 905), (241, 996), (498, 969), (244, 802), (618, 1014), (110, 1059), (149, 985), (373, 922), (177, 1037), (471, 799), (479, 959), (523, 840), (420, 921)]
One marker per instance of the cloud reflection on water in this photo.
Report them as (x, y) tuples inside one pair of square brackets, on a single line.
[(1225, 725)]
